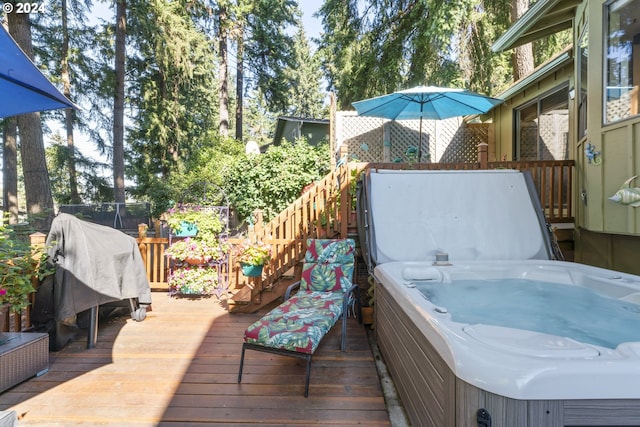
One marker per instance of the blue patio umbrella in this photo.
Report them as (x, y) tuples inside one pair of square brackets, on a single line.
[(426, 102), (23, 88)]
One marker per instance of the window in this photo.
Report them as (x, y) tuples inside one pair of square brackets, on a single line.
[(583, 57), (542, 127), (622, 73)]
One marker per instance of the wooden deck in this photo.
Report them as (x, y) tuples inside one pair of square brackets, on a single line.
[(179, 367)]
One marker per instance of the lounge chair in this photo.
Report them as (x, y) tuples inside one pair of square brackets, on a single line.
[(325, 293)]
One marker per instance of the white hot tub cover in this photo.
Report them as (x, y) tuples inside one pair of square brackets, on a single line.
[(468, 215)]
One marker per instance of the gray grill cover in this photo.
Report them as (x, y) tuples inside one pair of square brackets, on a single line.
[(94, 265)]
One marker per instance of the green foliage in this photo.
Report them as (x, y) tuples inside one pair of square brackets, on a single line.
[(305, 97), (19, 263), (93, 186), (253, 253), (268, 46), (273, 180), (378, 47), (173, 86), (198, 181), (207, 220), (194, 280)]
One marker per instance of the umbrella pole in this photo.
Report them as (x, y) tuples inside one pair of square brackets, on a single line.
[(420, 140)]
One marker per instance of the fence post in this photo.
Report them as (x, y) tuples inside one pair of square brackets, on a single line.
[(483, 155)]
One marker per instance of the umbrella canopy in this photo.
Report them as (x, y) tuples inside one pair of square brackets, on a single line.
[(23, 87), (428, 102)]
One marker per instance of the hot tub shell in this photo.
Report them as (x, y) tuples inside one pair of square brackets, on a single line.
[(444, 225)]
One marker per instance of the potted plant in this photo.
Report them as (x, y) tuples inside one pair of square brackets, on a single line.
[(192, 220), (195, 251), (252, 256), (19, 265), (195, 280)]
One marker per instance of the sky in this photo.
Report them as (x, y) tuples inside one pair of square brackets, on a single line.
[(312, 26)]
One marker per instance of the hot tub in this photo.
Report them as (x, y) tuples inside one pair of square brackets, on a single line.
[(464, 357)]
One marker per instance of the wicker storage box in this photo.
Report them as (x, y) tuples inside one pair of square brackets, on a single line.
[(22, 355)]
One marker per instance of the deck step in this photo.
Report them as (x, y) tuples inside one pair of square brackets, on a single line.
[(246, 301)]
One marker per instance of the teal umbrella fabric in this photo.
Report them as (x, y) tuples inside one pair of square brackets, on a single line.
[(426, 102), (23, 88)]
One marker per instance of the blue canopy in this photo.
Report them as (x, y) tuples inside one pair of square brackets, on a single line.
[(23, 88), (426, 102)]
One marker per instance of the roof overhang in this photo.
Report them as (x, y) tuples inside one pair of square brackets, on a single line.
[(563, 59), (544, 17)]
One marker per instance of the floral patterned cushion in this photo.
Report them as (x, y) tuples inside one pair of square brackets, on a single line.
[(328, 265), (299, 323)]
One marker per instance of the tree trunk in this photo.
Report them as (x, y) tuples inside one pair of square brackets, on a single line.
[(522, 55), (118, 103), (239, 83), (34, 165), (223, 86), (68, 114), (10, 169)]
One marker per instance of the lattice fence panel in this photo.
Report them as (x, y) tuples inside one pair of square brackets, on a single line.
[(463, 145), (370, 139), (554, 136), (404, 138), (362, 136), (529, 142)]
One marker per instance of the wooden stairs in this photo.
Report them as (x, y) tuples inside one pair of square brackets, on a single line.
[(258, 294)]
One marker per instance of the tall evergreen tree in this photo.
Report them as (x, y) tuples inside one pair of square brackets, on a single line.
[(68, 114), (523, 54), (34, 166), (305, 95), (93, 186), (10, 169), (378, 47), (223, 69), (173, 90), (268, 47), (119, 101)]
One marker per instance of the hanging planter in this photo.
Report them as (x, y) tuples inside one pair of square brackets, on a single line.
[(251, 270), (195, 260), (186, 229)]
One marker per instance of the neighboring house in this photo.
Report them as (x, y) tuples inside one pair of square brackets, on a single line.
[(292, 128), (583, 101)]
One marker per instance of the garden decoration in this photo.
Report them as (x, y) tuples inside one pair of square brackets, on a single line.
[(194, 280), (627, 195), (592, 155), (194, 251), (198, 257), (189, 220), (252, 257)]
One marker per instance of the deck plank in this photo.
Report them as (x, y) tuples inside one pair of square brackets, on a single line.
[(179, 367)]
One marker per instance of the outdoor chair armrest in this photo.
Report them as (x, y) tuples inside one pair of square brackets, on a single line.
[(290, 289)]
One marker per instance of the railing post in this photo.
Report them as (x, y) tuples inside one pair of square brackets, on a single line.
[(483, 155)]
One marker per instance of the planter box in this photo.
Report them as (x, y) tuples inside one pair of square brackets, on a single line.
[(22, 356)]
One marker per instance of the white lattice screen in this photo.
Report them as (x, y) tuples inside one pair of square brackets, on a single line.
[(371, 139)]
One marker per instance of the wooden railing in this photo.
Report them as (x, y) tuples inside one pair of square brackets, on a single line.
[(553, 181), (325, 211)]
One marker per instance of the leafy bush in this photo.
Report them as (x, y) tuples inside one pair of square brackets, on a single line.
[(19, 263), (272, 180)]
